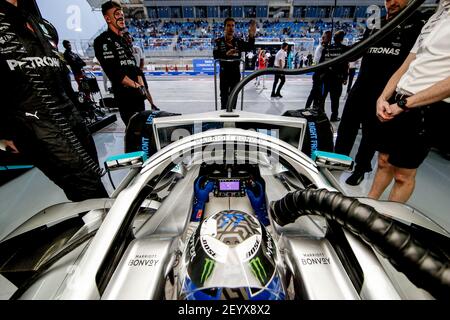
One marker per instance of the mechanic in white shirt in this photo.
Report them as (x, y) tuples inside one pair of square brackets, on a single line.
[(410, 107), (280, 62)]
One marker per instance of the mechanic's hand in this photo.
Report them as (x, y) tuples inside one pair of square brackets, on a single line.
[(8, 145), (384, 110), (202, 193), (396, 110)]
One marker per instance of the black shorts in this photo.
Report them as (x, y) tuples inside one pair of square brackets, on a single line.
[(407, 138)]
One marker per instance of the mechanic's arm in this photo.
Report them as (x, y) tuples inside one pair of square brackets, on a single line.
[(140, 81), (391, 86), (127, 82), (250, 44), (318, 54), (384, 109), (437, 92)]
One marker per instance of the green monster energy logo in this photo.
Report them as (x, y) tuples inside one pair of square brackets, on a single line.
[(258, 269), (207, 270)]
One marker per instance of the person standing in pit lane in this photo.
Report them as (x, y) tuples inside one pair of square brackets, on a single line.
[(360, 106), (38, 120), (280, 63), (229, 47), (334, 77), (74, 61), (315, 95), (117, 60)]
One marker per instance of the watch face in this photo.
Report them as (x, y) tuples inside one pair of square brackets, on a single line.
[(402, 103)]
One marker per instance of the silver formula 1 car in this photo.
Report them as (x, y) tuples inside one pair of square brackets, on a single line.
[(233, 212)]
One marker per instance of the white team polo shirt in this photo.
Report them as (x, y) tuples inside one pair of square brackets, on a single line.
[(432, 49), (281, 55)]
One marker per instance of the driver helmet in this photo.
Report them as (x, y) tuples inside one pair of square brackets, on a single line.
[(231, 256)]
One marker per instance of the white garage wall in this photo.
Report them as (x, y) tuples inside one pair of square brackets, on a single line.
[(74, 19)]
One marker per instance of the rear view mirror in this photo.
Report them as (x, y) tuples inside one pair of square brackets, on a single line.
[(125, 160), (332, 160)]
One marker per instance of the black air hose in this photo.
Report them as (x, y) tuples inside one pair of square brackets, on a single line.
[(427, 269)]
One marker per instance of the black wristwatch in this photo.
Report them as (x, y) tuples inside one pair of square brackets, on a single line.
[(402, 104)]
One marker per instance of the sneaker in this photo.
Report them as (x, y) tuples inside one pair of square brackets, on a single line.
[(356, 178), (273, 95), (279, 95)]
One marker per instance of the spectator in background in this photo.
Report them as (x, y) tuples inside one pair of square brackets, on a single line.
[(296, 60), (262, 64), (335, 76), (351, 74), (280, 63), (290, 59), (229, 47), (316, 93), (74, 61)]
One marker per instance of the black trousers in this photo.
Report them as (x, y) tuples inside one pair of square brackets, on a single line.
[(130, 101), (351, 76), (44, 144), (316, 93), (282, 79), (332, 85), (228, 80), (360, 108)]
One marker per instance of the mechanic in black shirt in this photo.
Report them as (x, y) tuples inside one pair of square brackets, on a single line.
[(377, 66), (38, 121), (117, 60), (230, 47), (334, 77), (315, 96), (74, 61)]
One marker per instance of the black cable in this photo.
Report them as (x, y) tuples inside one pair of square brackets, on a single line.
[(355, 51)]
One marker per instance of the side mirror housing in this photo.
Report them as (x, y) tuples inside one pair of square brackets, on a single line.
[(332, 160), (125, 160)]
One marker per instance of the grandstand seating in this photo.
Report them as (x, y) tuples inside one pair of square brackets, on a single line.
[(198, 35)]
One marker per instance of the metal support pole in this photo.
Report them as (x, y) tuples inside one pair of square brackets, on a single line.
[(215, 83), (243, 76)]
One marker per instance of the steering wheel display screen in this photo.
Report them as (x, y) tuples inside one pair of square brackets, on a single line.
[(229, 185)]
